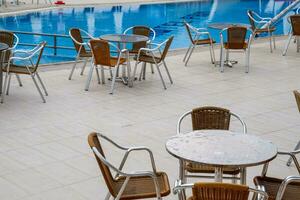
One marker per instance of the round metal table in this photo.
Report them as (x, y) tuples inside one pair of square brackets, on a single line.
[(3, 48), (221, 148), (222, 25)]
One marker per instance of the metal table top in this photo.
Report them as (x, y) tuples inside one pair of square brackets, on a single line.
[(221, 148), (221, 26), (3, 46), (124, 38)]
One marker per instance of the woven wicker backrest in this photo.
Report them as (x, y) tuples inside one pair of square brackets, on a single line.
[(109, 180), (166, 49), (76, 34), (295, 22), (297, 97), (101, 52), (210, 118), (140, 30), (220, 191), (189, 32), (251, 21), (42, 44), (236, 36), (7, 38)]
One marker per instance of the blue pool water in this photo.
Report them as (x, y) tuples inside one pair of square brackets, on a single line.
[(165, 18)]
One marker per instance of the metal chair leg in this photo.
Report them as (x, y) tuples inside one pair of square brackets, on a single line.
[(88, 80), (103, 75), (38, 88), (189, 56), (98, 77), (274, 41), (167, 70), (152, 69), (213, 54), (162, 80), (221, 60), (144, 71), (73, 68), (19, 80), (270, 38), (289, 162), (8, 85), (42, 84), (247, 60), (287, 45), (83, 67), (187, 52), (4, 87), (114, 80)]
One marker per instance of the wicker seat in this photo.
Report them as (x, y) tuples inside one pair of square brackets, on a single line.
[(81, 47), (260, 25), (236, 41), (194, 36), (103, 59), (209, 117), (30, 67), (134, 185), (280, 189), (155, 56), (217, 191), (295, 32)]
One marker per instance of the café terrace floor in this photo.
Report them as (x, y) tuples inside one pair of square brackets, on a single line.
[(43, 147)]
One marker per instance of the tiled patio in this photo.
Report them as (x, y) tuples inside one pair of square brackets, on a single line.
[(43, 147)]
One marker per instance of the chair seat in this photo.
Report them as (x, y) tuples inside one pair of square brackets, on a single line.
[(148, 59), (114, 61), (232, 46), (271, 186), (86, 54), (203, 41), (19, 69), (265, 30), (198, 168), (143, 187)]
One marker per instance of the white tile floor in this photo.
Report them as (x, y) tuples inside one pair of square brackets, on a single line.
[(43, 148)]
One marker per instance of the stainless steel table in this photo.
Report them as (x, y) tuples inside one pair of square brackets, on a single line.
[(3, 48), (124, 39), (221, 148)]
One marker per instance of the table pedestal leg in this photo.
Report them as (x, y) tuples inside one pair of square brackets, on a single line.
[(181, 194), (219, 174), (243, 176)]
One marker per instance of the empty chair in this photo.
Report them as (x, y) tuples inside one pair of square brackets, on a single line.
[(102, 58), (30, 60), (295, 32), (277, 188), (132, 185), (198, 37), (218, 191), (209, 117), (261, 25), (155, 56), (236, 41), (81, 47)]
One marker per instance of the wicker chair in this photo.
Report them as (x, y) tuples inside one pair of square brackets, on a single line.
[(101, 57), (236, 41), (209, 118), (280, 189), (295, 32), (155, 56), (81, 48), (194, 35), (218, 191), (30, 67), (133, 185), (144, 31), (260, 25), (12, 41)]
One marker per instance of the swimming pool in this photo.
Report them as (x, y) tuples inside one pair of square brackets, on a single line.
[(165, 18)]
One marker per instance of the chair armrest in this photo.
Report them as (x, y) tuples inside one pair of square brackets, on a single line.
[(178, 186), (241, 121), (180, 120), (288, 180)]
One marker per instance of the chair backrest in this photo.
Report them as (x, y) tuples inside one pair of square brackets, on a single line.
[(297, 97), (38, 50), (295, 22), (210, 118), (251, 17), (236, 36), (220, 191), (140, 30), (76, 36), (166, 49), (8, 38), (101, 52), (188, 29), (94, 141)]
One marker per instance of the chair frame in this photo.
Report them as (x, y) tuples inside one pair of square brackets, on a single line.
[(152, 52), (119, 170), (114, 74), (261, 22), (246, 50), (185, 174), (198, 33), (291, 34), (288, 180), (179, 188), (28, 57), (81, 45)]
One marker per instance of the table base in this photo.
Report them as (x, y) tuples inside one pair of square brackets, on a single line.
[(228, 63)]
